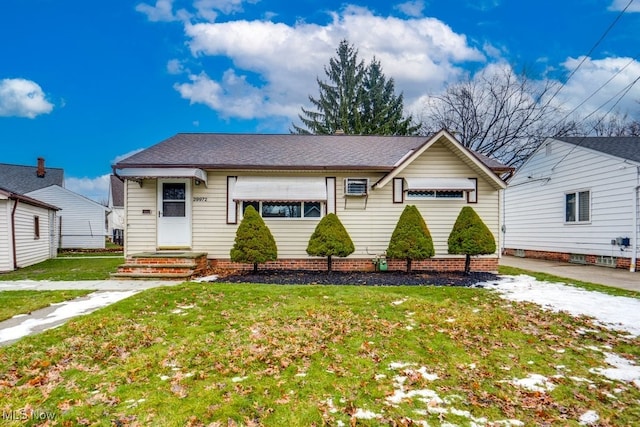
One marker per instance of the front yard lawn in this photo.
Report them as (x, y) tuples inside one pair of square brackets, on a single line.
[(222, 354), (23, 302), (67, 269)]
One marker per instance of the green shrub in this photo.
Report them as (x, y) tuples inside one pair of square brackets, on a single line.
[(254, 242), (330, 238), (470, 236), (411, 239)]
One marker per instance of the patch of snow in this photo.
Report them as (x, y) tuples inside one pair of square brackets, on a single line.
[(400, 365), (622, 370), (534, 382), (426, 395), (429, 377), (613, 312), (65, 311), (589, 418), (509, 423), (363, 414), (211, 278)]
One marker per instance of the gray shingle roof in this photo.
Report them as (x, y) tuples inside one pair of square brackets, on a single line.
[(24, 179), (290, 151), (625, 147), (117, 191)]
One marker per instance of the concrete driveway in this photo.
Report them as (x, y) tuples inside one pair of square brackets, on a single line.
[(614, 277)]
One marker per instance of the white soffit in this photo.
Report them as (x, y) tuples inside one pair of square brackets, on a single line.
[(141, 173), (280, 188), (451, 184)]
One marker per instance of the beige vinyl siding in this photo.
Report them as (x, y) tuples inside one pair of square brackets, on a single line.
[(369, 220), (212, 234), (30, 250), (140, 228), (6, 249), (371, 229)]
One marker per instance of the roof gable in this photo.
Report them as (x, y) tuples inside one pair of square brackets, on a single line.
[(57, 192), (467, 156), (7, 194), (24, 179)]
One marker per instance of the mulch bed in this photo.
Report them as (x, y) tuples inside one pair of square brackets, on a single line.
[(387, 278)]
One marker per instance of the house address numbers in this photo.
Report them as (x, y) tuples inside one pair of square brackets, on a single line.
[(200, 199)]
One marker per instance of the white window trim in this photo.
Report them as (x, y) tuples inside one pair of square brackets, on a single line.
[(577, 207), (272, 218)]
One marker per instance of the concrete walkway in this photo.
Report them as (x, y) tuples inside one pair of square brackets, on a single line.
[(614, 277), (106, 292)]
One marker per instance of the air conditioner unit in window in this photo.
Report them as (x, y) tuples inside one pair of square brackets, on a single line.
[(356, 186)]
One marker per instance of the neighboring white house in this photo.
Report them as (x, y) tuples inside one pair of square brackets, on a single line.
[(27, 231), (81, 221), (188, 193), (115, 216), (576, 199)]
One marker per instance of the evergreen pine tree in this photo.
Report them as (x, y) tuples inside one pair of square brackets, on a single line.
[(339, 97), (382, 110), (357, 99), (411, 239), (470, 236), (330, 238), (254, 242)]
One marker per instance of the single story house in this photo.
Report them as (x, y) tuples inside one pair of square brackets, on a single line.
[(576, 199), (188, 193), (27, 231), (81, 221)]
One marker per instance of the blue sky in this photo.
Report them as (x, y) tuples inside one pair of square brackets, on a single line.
[(84, 83)]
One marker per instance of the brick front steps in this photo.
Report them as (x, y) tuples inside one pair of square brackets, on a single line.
[(163, 265)]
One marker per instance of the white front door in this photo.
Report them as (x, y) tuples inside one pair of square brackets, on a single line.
[(174, 213)]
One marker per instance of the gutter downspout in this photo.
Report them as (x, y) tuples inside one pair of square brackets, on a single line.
[(634, 255), (13, 233)]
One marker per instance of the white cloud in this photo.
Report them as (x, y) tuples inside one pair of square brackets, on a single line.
[(96, 189), (22, 98), (175, 66), (421, 55), (619, 5), (209, 9), (411, 8), (162, 11), (590, 80)]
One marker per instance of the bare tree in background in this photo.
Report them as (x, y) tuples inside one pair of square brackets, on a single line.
[(613, 124), (499, 114)]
